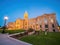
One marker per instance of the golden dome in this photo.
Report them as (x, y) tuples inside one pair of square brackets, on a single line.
[(25, 15)]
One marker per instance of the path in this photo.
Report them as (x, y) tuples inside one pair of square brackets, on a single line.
[(6, 40)]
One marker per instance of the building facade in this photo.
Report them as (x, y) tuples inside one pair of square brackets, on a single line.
[(45, 22)]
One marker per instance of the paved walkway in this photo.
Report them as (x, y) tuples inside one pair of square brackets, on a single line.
[(6, 40)]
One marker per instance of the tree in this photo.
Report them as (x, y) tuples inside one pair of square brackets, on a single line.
[(0, 27), (30, 30)]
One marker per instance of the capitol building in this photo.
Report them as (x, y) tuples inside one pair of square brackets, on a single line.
[(44, 22)]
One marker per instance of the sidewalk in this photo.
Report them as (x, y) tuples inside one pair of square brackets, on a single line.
[(6, 40)]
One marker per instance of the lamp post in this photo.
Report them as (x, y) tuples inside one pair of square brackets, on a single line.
[(4, 27)]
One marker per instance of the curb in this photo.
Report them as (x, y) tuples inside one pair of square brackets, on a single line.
[(18, 40)]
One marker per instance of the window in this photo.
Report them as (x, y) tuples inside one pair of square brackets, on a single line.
[(18, 23), (30, 26), (36, 24), (40, 26), (25, 23), (45, 20), (53, 30), (38, 19), (46, 26), (33, 26), (53, 25), (39, 22), (30, 23), (51, 18), (25, 27)]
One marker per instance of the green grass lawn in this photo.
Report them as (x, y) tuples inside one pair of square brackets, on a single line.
[(53, 38), (12, 31)]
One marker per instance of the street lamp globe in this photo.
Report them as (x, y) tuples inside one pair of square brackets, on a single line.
[(5, 18)]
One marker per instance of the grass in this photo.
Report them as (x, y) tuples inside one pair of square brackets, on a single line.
[(0, 30), (53, 38), (12, 31)]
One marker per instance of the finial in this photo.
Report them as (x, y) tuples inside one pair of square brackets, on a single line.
[(25, 11)]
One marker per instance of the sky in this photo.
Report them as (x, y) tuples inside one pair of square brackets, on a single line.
[(15, 9)]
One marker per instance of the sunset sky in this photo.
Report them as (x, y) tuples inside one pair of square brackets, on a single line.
[(15, 9)]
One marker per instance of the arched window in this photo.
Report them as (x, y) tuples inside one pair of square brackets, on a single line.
[(30, 23), (40, 26), (51, 19), (53, 25), (45, 20), (46, 26), (39, 22)]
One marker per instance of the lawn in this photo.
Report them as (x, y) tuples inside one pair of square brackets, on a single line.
[(53, 38), (12, 31)]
